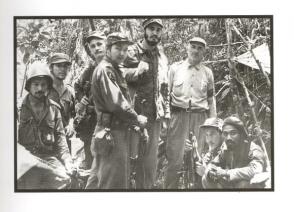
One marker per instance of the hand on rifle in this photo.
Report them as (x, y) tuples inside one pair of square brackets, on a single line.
[(216, 172), (69, 129), (142, 121), (188, 145), (71, 170), (82, 104)]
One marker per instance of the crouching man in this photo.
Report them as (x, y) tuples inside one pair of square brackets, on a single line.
[(41, 132), (239, 160)]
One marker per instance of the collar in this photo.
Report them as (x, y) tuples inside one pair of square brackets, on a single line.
[(189, 65), (107, 59), (154, 50)]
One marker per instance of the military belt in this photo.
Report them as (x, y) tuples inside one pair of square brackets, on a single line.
[(188, 110)]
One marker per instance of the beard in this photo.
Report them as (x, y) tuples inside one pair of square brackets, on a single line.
[(152, 42)]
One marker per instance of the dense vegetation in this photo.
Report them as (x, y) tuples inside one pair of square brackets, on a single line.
[(38, 38)]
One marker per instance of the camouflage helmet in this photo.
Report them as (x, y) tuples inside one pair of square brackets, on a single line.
[(38, 69), (237, 123), (213, 122)]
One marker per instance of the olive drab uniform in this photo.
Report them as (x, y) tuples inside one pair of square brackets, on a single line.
[(85, 122), (242, 164), (151, 100), (66, 102), (67, 105), (114, 117), (45, 139)]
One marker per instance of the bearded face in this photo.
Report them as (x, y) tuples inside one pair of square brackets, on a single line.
[(152, 34)]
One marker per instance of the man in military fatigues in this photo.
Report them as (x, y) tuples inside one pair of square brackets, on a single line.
[(61, 93), (85, 120), (238, 161), (115, 115), (192, 97), (41, 130), (146, 70)]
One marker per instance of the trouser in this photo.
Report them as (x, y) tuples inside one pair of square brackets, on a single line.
[(92, 182), (180, 125), (147, 160), (86, 136), (113, 168), (49, 175)]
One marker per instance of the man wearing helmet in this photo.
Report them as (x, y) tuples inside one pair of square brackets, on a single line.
[(238, 161), (146, 70), (212, 130), (115, 115), (85, 120), (41, 130)]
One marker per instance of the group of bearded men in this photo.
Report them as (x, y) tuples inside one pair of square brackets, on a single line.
[(121, 102)]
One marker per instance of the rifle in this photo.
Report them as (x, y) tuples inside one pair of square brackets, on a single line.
[(188, 172), (82, 114), (138, 142)]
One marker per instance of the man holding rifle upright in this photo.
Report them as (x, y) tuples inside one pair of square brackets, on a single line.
[(146, 73), (192, 101)]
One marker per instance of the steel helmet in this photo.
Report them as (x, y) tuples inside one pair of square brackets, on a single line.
[(38, 69)]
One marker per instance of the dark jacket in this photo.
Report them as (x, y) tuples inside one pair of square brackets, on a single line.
[(44, 138)]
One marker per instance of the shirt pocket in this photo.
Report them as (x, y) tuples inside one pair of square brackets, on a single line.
[(203, 88), (47, 132), (178, 87), (26, 131)]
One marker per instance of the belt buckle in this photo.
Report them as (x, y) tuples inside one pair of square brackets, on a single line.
[(188, 110)]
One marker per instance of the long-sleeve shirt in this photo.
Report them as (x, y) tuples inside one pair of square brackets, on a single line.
[(191, 83), (44, 137), (149, 85), (243, 163), (66, 102), (110, 92)]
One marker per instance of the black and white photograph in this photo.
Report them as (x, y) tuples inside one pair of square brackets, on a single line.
[(143, 103)]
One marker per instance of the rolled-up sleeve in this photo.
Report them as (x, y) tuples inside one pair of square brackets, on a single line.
[(255, 166)]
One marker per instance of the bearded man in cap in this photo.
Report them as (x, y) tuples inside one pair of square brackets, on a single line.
[(238, 161), (62, 93), (146, 70), (85, 120), (192, 97), (41, 130), (115, 115)]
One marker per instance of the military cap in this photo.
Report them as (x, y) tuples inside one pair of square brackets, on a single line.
[(213, 122), (150, 21), (38, 69), (236, 122), (117, 37), (95, 34), (198, 40), (59, 58)]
